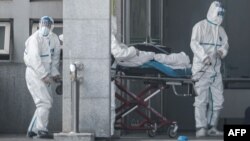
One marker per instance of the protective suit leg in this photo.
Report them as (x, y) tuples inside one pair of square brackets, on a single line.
[(210, 111), (40, 93), (112, 107), (213, 117), (42, 118), (200, 104), (201, 132), (39, 120), (200, 115), (31, 130), (216, 100)]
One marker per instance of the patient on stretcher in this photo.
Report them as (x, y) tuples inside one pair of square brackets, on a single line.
[(132, 57)]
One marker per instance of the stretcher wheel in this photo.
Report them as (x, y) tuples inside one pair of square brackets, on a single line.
[(59, 89), (172, 130), (152, 132)]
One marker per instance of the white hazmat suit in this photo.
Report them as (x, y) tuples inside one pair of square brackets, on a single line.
[(209, 44), (41, 56)]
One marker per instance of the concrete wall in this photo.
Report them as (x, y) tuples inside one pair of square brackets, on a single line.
[(17, 106), (87, 40)]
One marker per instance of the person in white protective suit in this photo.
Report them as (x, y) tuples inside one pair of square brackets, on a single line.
[(41, 57), (125, 55), (209, 43), (120, 52)]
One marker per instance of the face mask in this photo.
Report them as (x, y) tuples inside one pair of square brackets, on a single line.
[(219, 20), (220, 16), (44, 31)]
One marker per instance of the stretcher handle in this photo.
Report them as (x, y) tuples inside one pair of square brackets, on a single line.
[(179, 94)]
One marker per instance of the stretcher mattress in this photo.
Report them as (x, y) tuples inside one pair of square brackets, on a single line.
[(178, 73), (155, 68)]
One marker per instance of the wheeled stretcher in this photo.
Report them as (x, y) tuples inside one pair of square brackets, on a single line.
[(157, 78)]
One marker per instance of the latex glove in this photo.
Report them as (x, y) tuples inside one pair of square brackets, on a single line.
[(219, 53), (46, 80), (207, 61), (56, 78)]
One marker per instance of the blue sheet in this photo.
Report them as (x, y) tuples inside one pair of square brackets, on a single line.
[(178, 73)]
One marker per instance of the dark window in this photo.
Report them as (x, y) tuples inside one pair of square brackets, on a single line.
[(5, 39)]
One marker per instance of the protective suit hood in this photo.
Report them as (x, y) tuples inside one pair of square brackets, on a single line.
[(46, 26), (215, 13)]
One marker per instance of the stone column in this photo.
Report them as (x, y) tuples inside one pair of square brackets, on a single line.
[(87, 40)]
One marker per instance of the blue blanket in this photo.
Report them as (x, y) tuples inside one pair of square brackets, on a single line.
[(178, 73)]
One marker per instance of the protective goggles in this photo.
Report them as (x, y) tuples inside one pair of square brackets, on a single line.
[(221, 13), (222, 9)]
